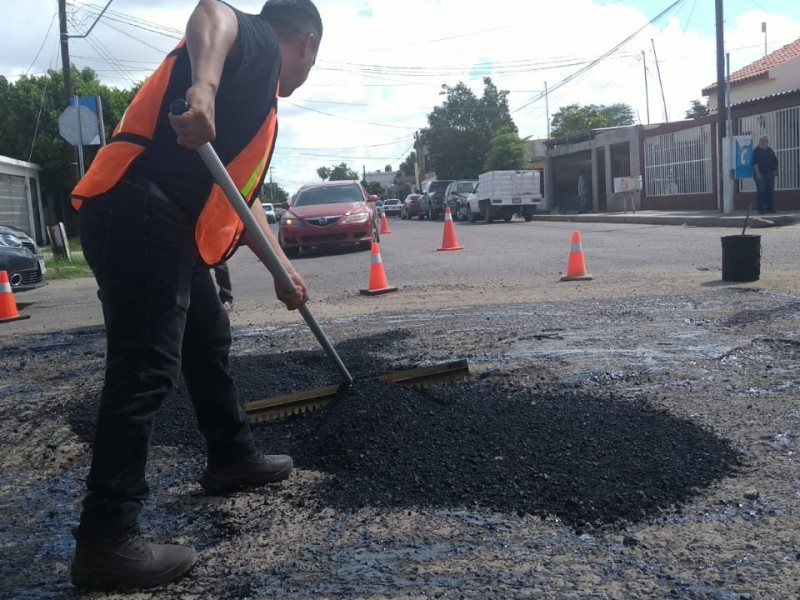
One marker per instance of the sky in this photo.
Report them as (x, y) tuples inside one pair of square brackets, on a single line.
[(382, 63)]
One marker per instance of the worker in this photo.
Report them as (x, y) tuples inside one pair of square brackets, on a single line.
[(151, 224)]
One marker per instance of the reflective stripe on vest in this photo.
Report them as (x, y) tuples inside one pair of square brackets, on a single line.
[(218, 228)]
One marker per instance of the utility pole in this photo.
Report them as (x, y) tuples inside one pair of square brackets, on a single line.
[(272, 184), (547, 109), (65, 62), (764, 31), (646, 89), (660, 83), (721, 129)]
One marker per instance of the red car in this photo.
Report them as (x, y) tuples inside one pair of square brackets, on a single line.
[(330, 213), (410, 207)]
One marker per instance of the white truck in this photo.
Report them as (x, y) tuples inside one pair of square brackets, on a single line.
[(502, 194)]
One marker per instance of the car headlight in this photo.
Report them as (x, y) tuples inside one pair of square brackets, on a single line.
[(10, 241), (289, 220), (358, 217)]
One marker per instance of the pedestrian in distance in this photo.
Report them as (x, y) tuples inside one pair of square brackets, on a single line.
[(151, 225), (583, 203), (765, 168), (222, 275)]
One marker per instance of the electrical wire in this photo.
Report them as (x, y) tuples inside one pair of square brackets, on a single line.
[(602, 57)]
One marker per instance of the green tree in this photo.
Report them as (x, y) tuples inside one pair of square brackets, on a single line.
[(508, 152), (280, 194), (575, 118), (373, 187), (461, 129), (698, 109), (338, 172), (29, 111), (407, 166)]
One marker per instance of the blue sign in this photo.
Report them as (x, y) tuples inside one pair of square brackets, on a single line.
[(743, 156)]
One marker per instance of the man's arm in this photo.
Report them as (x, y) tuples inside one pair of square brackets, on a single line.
[(210, 35), (756, 170), (292, 300)]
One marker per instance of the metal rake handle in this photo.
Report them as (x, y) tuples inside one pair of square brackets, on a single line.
[(223, 179)]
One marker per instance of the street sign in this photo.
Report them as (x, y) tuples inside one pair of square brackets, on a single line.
[(78, 125), (743, 155)]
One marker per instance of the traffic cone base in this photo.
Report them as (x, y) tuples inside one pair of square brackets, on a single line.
[(449, 240), (576, 266), (8, 308), (377, 276)]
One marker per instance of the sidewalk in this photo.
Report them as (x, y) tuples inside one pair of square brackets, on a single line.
[(684, 218)]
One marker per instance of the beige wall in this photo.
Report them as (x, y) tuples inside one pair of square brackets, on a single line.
[(783, 78)]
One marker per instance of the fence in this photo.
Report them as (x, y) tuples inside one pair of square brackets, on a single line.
[(782, 127), (679, 162)]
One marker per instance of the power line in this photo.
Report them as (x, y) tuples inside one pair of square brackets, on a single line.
[(601, 58)]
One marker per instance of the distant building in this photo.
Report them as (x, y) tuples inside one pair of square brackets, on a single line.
[(775, 73), (21, 197)]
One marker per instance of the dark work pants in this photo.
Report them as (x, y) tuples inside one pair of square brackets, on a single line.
[(223, 276), (162, 315), (765, 190)]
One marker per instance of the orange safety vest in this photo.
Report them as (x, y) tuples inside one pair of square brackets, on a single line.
[(218, 228)]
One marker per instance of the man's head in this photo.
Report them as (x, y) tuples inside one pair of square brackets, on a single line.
[(299, 29), (763, 141)]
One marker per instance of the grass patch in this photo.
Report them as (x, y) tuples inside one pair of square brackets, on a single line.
[(61, 268)]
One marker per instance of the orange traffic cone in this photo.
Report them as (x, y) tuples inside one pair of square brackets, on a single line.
[(377, 277), (449, 240), (8, 308), (576, 267), (384, 222)]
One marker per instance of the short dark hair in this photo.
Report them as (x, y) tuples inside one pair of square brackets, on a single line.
[(293, 18)]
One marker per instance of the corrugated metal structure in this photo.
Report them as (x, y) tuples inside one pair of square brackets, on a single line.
[(21, 197)]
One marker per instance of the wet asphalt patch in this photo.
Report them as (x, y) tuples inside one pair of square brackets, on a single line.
[(589, 459)]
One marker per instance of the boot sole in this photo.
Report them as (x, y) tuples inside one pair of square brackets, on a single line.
[(216, 485), (104, 579)]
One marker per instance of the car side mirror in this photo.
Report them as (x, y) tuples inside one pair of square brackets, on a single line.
[(372, 198), (285, 205)]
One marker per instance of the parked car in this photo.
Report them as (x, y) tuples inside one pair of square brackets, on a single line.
[(431, 204), (269, 212), (330, 213), (455, 196), (21, 259), (410, 207), (392, 207)]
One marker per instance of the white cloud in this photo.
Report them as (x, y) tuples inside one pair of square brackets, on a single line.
[(382, 63)]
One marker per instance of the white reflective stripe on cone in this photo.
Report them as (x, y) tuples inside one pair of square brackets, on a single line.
[(376, 259), (5, 288)]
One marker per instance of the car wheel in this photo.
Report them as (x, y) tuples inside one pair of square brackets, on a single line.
[(470, 215), (291, 252), (487, 213), (507, 217), (528, 217)]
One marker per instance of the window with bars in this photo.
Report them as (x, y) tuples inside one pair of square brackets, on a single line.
[(782, 127), (678, 163)]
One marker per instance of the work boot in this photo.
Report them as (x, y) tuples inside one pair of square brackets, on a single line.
[(250, 471), (129, 561)]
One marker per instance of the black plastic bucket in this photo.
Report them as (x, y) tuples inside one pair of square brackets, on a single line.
[(741, 257)]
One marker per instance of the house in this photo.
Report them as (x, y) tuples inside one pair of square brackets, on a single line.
[(775, 73), (678, 162)]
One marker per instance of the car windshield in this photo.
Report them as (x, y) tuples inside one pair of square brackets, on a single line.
[(267, 206), (438, 186), (331, 194), (465, 187)]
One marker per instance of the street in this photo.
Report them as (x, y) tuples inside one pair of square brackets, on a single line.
[(632, 436)]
